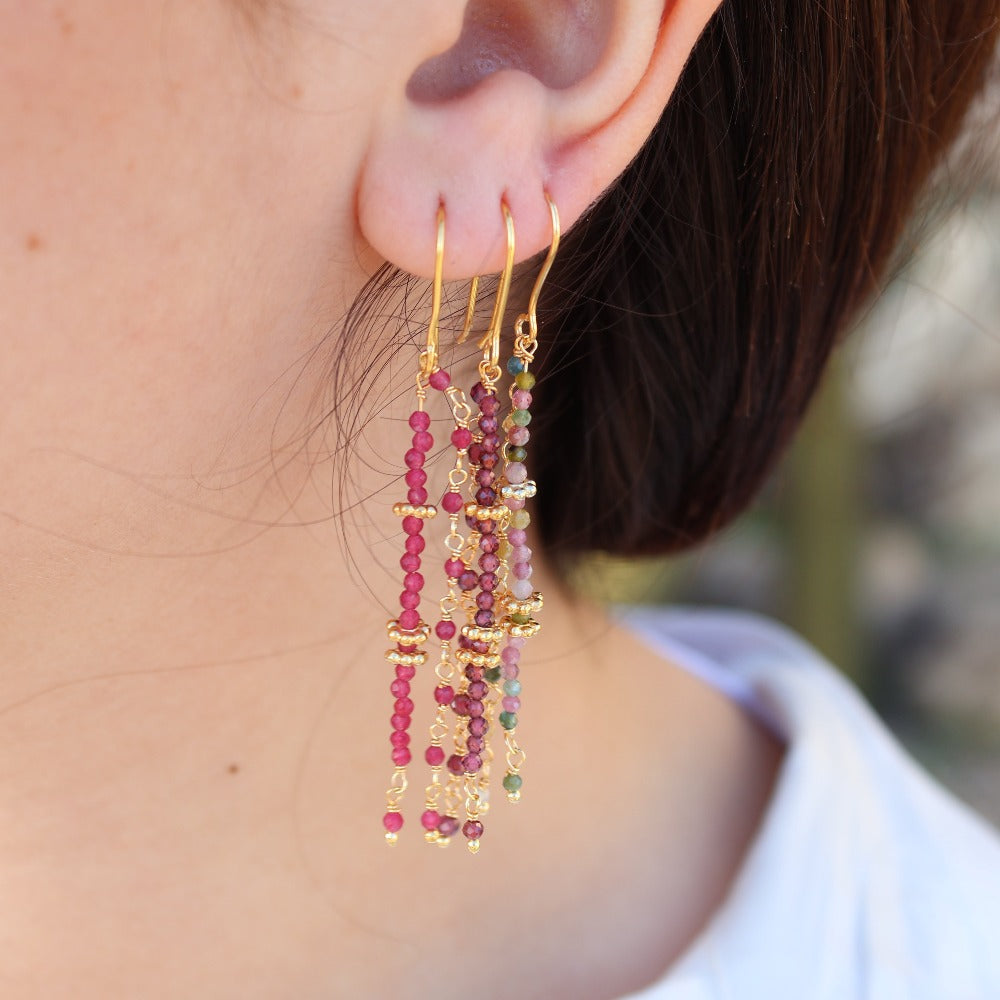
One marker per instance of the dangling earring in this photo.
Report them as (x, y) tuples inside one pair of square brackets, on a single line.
[(495, 508)]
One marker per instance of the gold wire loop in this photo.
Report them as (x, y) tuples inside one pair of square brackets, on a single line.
[(470, 311), (429, 357), (546, 267), (490, 344)]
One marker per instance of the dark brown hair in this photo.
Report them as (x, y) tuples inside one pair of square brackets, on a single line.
[(694, 308)]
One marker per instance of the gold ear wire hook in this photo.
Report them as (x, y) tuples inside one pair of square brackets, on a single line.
[(490, 367), (429, 357), (546, 267), (470, 311)]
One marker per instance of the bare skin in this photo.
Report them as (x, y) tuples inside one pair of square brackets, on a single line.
[(193, 704)]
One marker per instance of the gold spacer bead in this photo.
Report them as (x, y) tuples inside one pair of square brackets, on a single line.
[(473, 846), (523, 491), (432, 836), (406, 659), (476, 633), (498, 513), (391, 838), (514, 796), (408, 636), (478, 659), (421, 510), (519, 631)]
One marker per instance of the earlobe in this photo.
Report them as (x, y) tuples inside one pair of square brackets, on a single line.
[(514, 110)]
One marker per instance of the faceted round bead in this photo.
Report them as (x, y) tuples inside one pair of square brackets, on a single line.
[(488, 581), (455, 764), (489, 406), (472, 762), (478, 689), (409, 562), (489, 460), (412, 525), (454, 567), (479, 647), (510, 654), (484, 477), (417, 495), (489, 543), (405, 671), (493, 675), (520, 519), (461, 704), (490, 442), (487, 527), (414, 459), (512, 688), (485, 600), (431, 819), (516, 454), (521, 589), (508, 720), (403, 706), (521, 417), (415, 544), (448, 826), (461, 438), (519, 436), (515, 366), (477, 392), (409, 619), (468, 580), (520, 553), (511, 704), (521, 399), (409, 600), (401, 756), (475, 453), (415, 478), (444, 694), (476, 708), (420, 420), (516, 473), (472, 829), (486, 497), (393, 822), (514, 503), (399, 721), (510, 671), (423, 441), (488, 425), (439, 380), (525, 380), (484, 619), (517, 536), (474, 744), (413, 581), (399, 738), (522, 570), (452, 502), (399, 689), (512, 782), (434, 756), (445, 629), (478, 726), (489, 562)]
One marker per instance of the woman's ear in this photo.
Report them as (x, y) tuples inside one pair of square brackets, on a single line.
[(532, 96)]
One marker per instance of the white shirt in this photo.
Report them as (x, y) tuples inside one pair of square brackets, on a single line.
[(866, 879)]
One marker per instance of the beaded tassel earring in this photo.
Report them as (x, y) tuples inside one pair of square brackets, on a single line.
[(477, 675)]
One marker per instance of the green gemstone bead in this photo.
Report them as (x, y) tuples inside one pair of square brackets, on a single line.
[(515, 366), (492, 675), (508, 720), (512, 782), (512, 688), (520, 519), (521, 417), (505, 549), (520, 619), (525, 380), (515, 453)]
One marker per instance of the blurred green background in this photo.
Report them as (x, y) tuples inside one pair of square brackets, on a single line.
[(878, 539)]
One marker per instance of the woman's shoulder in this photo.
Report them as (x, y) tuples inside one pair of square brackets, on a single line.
[(866, 877)]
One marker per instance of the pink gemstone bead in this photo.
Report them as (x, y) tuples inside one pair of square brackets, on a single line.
[(461, 704), (475, 744), (455, 764), (444, 694), (489, 405), (400, 721), (403, 706), (516, 641), (431, 819), (519, 436), (468, 580), (399, 689), (434, 756), (510, 654), (410, 563), (415, 478), (452, 502), (485, 600), (516, 536), (521, 570), (445, 629), (510, 671), (484, 477), (414, 582), (413, 525), (409, 618), (521, 399), (415, 544), (516, 472), (423, 441), (461, 437), (409, 600), (478, 689), (489, 562), (521, 553), (476, 708), (401, 756), (414, 459), (448, 826), (477, 726), (393, 822), (420, 420), (454, 567), (514, 503), (472, 763), (488, 581), (399, 738), (417, 495), (439, 380), (405, 671), (472, 829), (511, 703)]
